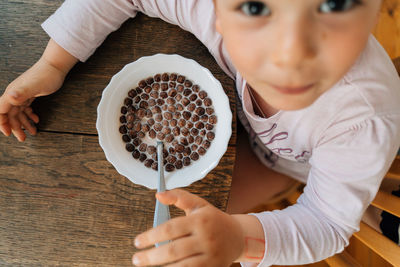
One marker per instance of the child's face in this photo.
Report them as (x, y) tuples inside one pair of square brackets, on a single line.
[(292, 51)]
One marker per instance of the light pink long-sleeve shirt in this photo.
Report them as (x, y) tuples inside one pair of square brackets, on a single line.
[(341, 146)]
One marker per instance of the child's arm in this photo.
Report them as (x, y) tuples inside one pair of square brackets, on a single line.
[(76, 29), (206, 236), (43, 78)]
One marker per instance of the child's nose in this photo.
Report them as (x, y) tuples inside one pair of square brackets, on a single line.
[(295, 45)]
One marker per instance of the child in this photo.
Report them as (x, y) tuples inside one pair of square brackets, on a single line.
[(318, 97)]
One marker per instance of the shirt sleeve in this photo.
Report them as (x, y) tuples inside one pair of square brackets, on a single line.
[(81, 26), (346, 172)]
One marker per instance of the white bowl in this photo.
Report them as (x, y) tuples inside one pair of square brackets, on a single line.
[(108, 113)]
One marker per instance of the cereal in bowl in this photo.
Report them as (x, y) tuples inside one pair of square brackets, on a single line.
[(170, 108)]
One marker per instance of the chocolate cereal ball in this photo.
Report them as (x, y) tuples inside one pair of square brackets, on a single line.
[(168, 107), (129, 147), (169, 167)]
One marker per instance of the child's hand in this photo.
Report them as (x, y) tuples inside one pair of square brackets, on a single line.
[(206, 236), (15, 111)]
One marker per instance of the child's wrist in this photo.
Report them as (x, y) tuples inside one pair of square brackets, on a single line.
[(48, 64), (252, 240), (58, 58), (239, 232)]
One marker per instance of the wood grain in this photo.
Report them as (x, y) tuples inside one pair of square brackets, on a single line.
[(387, 202), (380, 244), (394, 171), (364, 255), (62, 202), (342, 260)]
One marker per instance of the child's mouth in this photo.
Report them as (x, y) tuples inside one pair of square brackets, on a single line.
[(292, 90)]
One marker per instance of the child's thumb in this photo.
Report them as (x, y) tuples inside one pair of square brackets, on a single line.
[(182, 199)]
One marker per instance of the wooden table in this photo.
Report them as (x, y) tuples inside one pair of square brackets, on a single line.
[(61, 202)]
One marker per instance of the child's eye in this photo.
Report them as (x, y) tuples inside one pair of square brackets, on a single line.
[(254, 8), (337, 5)]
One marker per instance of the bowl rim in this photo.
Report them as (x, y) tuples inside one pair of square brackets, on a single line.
[(115, 84)]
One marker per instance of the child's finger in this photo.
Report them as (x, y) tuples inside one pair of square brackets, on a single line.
[(26, 123), (19, 134), (4, 125), (181, 199), (170, 230), (174, 251), (29, 112), (16, 125)]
